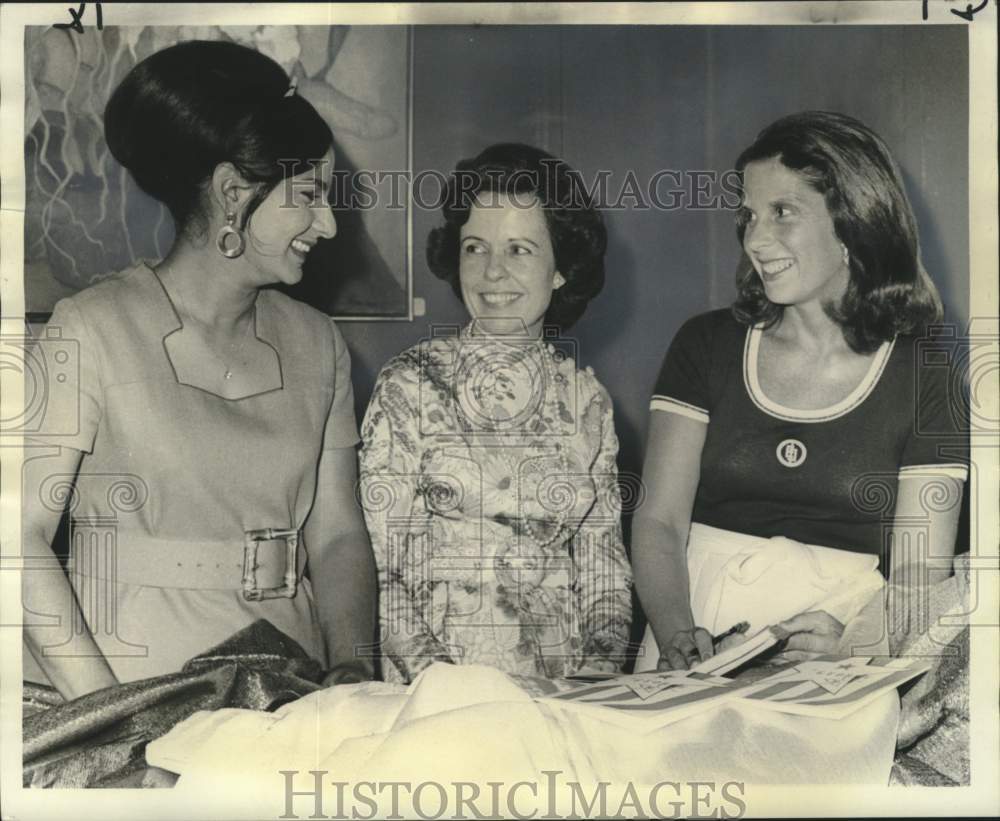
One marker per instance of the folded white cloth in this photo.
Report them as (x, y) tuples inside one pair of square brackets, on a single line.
[(735, 577), (473, 724)]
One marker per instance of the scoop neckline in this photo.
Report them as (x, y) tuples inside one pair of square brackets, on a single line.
[(858, 394)]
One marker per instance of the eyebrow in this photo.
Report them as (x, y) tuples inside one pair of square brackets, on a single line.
[(778, 200), (509, 239)]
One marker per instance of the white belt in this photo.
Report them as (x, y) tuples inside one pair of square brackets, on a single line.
[(266, 564)]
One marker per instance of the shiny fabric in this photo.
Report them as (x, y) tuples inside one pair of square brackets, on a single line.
[(933, 739), (99, 740)]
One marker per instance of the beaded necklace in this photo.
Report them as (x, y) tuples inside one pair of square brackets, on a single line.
[(517, 352)]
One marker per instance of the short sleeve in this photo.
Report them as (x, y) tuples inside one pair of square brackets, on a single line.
[(682, 386), (341, 425), (64, 391), (938, 442)]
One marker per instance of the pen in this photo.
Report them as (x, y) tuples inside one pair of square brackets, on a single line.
[(740, 627)]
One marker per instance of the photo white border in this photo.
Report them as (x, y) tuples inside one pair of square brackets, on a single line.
[(983, 797)]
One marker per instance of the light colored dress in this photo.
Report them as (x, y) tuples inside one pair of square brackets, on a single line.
[(173, 476), (490, 489)]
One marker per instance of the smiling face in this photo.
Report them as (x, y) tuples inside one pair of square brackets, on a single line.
[(507, 266), (789, 236), (288, 223)]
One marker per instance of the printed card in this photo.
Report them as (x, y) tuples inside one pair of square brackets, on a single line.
[(833, 676), (646, 685)]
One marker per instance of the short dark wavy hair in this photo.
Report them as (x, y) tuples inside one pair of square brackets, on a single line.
[(889, 291), (185, 109), (576, 228)]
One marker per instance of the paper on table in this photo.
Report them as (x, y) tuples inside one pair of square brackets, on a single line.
[(647, 707), (646, 685), (833, 676), (800, 691)]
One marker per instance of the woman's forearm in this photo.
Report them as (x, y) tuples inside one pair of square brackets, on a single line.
[(914, 563), (659, 563), (344, 577), (80, 667), (605, 593)]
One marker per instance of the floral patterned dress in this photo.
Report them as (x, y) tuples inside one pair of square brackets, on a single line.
[(490, 489)]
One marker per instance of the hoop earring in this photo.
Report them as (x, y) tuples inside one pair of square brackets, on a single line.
[(222, 238)]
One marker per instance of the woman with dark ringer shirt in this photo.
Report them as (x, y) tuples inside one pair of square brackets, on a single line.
[(773, 424)]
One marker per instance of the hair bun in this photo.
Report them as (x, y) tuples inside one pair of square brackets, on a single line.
[(185, 109)]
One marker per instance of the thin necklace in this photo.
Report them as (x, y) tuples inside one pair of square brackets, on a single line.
[(235, 351)]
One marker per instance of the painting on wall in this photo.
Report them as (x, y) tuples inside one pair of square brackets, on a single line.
[(86, 218)]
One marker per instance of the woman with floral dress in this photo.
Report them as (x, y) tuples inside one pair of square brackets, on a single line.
[(488, 468)]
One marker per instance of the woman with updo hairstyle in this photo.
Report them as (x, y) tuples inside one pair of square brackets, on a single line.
[(488, 464), (797, 437), (219, 409)]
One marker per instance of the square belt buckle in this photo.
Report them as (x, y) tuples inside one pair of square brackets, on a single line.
[(251, 591)]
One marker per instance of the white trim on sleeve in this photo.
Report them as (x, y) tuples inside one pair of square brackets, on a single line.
[(671, 405), (954, 470)]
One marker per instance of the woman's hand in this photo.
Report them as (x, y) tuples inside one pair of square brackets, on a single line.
[(660, 530), (813, 632), (350, 673), (596, 666), (686, 647), (80, 668), (342, 568)]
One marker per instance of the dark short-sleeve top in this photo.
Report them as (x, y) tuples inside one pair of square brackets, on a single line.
[(826, 476)]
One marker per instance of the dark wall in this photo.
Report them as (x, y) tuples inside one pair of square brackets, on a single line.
[(647, 98)]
